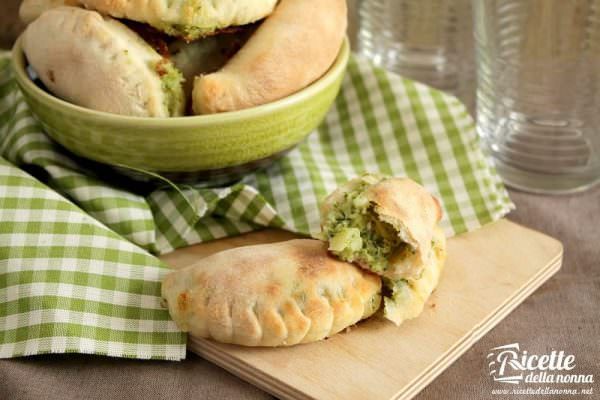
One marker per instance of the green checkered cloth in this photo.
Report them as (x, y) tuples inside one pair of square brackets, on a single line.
[(71, 282)]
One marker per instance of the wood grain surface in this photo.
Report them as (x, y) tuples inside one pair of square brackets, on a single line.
[(376, 360)]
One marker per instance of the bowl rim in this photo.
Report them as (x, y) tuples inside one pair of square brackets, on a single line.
[(332, 74)]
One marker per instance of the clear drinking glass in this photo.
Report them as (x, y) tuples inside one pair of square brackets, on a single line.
[(538, 100), (430, 41)]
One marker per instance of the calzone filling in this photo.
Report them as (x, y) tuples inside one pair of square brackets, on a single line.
[(356, 233)]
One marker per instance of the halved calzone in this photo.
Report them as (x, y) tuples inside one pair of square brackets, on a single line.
[(383, 224), (277, 294), (388, 226)]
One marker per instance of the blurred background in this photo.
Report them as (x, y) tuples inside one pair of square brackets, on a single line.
[(10, 25)]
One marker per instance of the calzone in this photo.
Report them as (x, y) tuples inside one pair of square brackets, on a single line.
[(291, 49), (277, 294)]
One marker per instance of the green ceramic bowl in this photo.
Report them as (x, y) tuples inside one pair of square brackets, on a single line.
[(206, 147)]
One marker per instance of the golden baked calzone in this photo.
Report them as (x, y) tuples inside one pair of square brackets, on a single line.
[(277, 294), (291, 49), (97, 62)]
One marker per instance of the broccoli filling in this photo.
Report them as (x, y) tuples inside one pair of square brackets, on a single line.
[(397, 297), (395, 290), (187, 32), (356, 234), (171, 79), (190, 33)]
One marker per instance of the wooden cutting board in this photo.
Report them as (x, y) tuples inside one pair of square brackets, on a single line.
[(488, 273)]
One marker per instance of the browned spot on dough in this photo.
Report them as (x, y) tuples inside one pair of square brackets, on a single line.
[(51, 76), (273, 289), (161, 67), (182, 301), (313, 258)]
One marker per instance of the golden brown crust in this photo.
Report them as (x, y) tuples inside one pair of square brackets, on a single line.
[(291, 49), (270, 295)]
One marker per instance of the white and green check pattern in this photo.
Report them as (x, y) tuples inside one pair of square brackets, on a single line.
[(69, 284), (380, 122)]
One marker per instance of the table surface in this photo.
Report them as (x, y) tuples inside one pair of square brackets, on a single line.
[(562, 315)]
